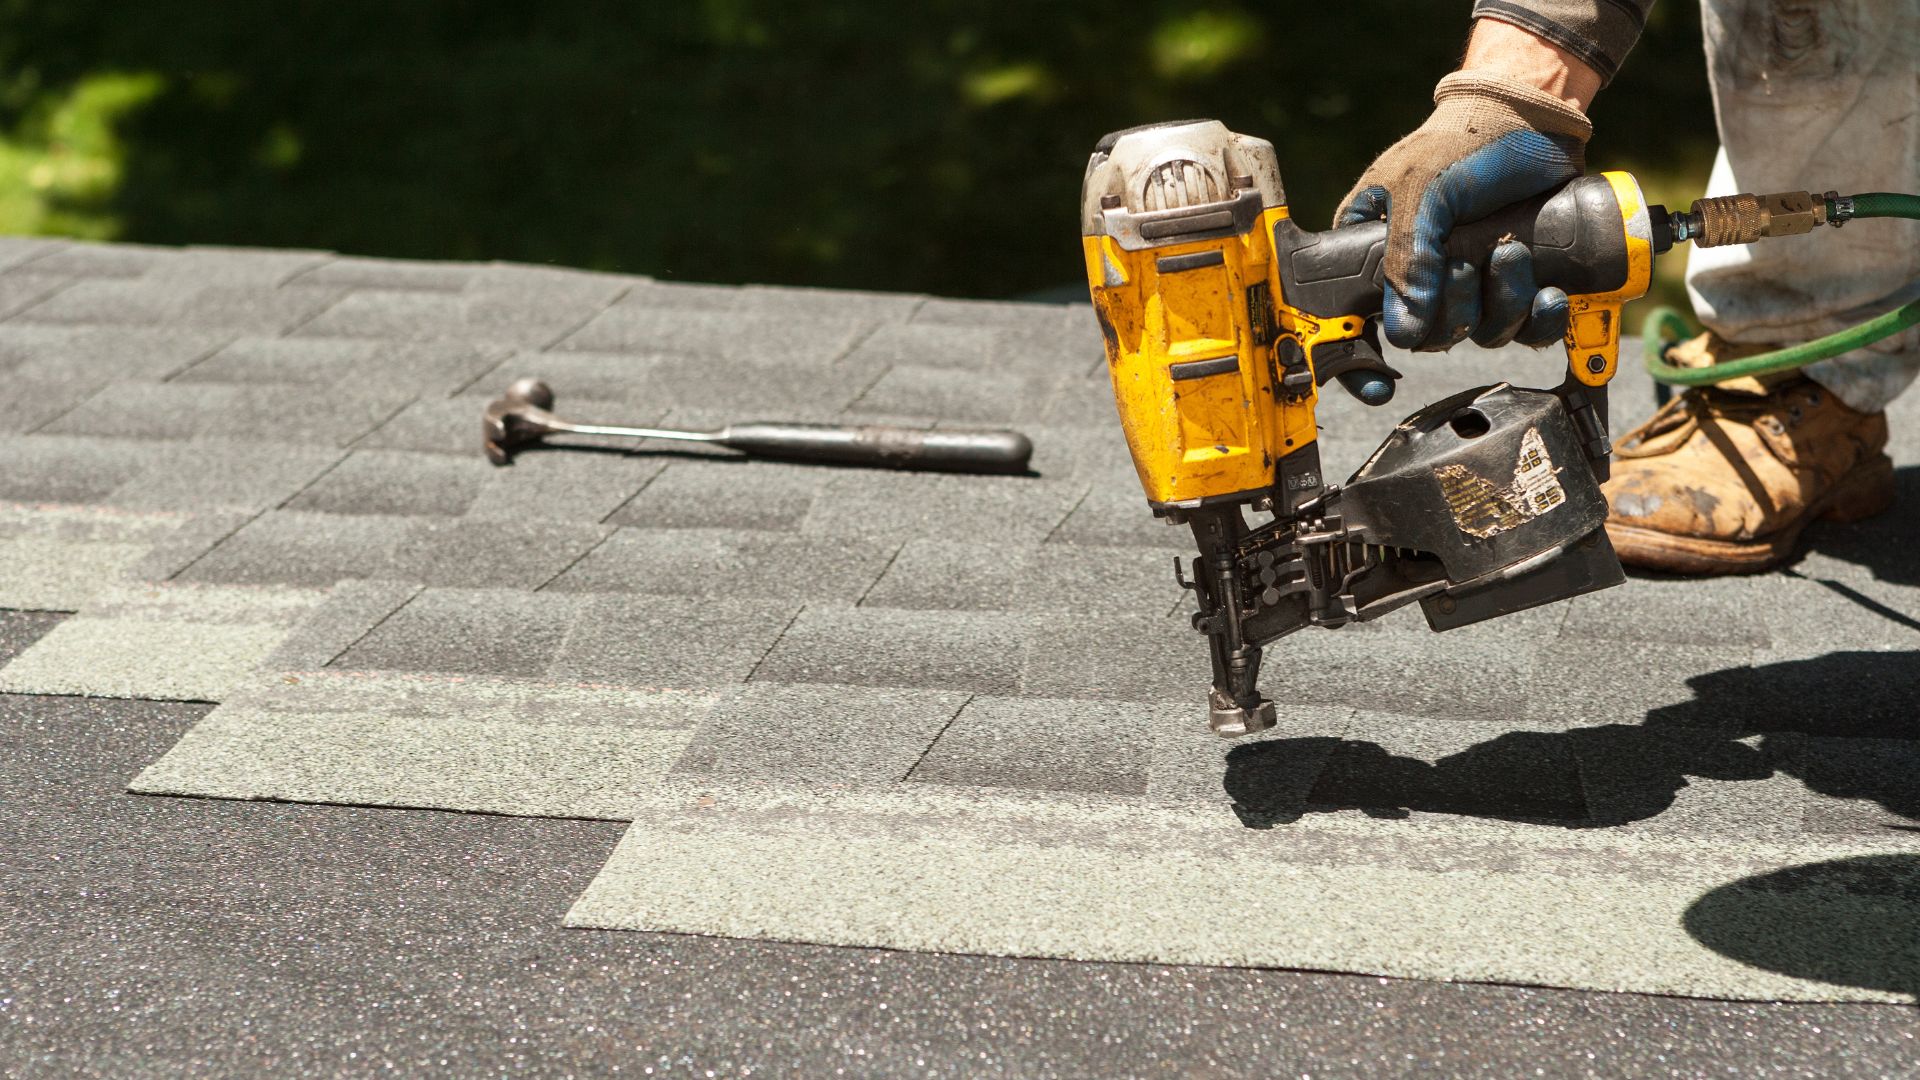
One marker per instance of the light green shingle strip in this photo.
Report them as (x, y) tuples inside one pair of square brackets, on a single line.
[(973, 872), (160, 641), (481, 745), (58, 558), (140, 658)]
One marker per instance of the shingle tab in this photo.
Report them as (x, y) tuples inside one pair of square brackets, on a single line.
[(819, 734), (186, 410), (218, 473), (292, 548), (488, 318), (967, 651), (474, 631), (150, 302), (941, 574), (767, 567), (1043, 745), (736, 493), (768, 339), (668, 640)]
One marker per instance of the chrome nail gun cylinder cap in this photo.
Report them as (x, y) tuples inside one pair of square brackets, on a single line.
[(1173, 166)]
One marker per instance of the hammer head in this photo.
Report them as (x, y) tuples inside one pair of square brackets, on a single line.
[(516, 418)]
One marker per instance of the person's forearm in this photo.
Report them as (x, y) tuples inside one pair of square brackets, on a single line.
[(1594, 33), (1499, 48)]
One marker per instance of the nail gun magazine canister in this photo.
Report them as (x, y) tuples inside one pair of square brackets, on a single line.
[(1177, 229)]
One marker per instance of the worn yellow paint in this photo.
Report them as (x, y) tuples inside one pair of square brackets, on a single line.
[(1219, 435), (1594, 328)]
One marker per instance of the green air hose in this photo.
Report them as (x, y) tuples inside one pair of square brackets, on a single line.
[(1664, 326)]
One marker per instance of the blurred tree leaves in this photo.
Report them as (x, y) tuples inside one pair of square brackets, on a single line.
[(935, 146)]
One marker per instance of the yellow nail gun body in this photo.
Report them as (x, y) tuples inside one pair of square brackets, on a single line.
[(1223, 318)]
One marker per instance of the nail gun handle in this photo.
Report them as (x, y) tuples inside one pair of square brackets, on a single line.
[(1579, 236), (931, 450)]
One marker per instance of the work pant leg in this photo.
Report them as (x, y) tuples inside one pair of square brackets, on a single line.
[(1816, 94)]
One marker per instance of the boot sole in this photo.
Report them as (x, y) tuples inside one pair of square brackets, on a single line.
[(1864, 493)]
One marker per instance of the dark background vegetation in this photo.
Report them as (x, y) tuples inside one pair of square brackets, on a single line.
[(931, 146)]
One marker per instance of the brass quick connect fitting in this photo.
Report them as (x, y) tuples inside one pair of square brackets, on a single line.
[(1744, 218)]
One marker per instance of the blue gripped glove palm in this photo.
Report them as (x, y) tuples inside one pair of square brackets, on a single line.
[(1490, 142)]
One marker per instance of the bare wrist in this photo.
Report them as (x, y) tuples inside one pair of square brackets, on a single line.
[(1499, 48)]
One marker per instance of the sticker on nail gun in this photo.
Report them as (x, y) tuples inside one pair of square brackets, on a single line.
[(1483, 509)]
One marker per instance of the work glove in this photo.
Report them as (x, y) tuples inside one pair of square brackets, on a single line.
[(1490, 142)]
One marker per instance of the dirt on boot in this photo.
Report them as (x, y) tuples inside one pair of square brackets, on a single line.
[(1723, 481)]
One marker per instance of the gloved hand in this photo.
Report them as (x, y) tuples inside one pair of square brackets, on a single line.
[(1490, 142)]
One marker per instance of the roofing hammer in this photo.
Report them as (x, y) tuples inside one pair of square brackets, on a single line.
[(523, 415)]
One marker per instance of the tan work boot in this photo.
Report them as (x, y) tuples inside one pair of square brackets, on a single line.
[(1723, 479)]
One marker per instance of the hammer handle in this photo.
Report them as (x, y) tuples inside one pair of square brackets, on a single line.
[(879, 445)]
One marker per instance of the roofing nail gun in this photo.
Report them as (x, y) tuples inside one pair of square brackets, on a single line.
[(1222, 318)]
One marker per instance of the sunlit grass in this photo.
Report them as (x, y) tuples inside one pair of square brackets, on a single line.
[(62, 163)]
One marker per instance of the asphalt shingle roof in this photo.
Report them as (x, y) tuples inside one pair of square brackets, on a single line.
[(932, 712)]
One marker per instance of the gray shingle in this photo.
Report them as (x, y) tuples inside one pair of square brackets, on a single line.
[(393, 482), (1714, 612), (817, 734), (563, 485), (359, 273), (93, 355), (1043, 745), (762, 496), (550, 282), (719, 563), (491, 318), (21, 250), (1583, 682), (1002, 314), (939, 574), (777, 340), (170, 303), (902, 506), (21, 289), (753, 390), (958, 397), (103, 260), (314, 362), (1113, 658), (1114, 512), (668, 641), (67, 469), (186, 410), (965, 651), (830, 303), (626, 385), (965, 348), (426, 367), (682, 296), (472, 631), (212, 265), (216, 473), (490, 552), (292, 548), (351, 609)]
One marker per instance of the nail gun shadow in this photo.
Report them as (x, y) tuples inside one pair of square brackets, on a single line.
[(1850, 922), (1846, 725)]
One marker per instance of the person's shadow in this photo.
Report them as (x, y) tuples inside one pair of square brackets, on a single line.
[(1611, 774)]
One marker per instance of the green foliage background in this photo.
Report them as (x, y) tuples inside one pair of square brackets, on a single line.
[(931, 146)]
